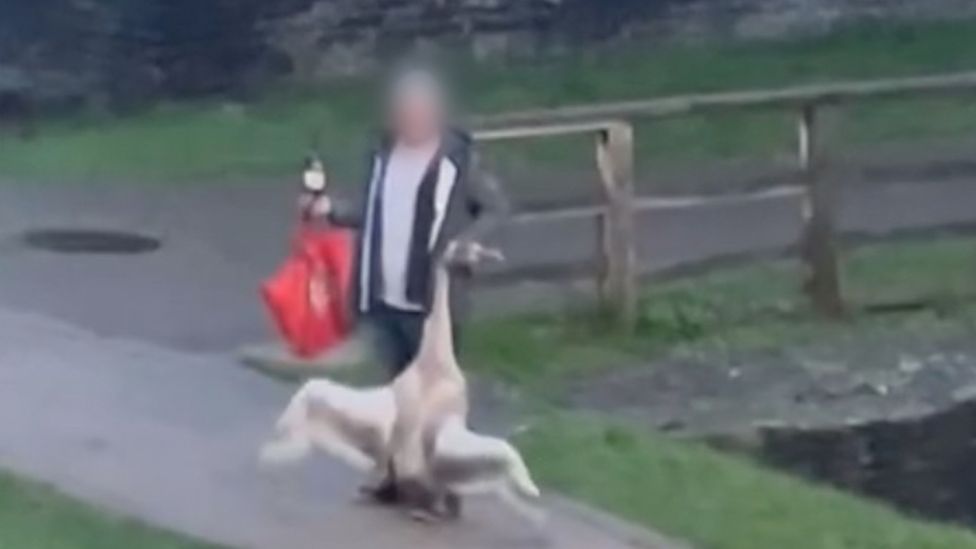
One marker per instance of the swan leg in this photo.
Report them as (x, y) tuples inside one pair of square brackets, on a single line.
[(420, 500), (453, 506), (381, 486)]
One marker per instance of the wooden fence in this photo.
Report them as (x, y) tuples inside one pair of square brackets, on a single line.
[(610, 123)]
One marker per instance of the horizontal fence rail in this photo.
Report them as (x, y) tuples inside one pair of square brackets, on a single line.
[(614, 145), (783, 98)]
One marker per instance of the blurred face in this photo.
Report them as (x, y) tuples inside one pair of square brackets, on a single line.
[(417, 116)]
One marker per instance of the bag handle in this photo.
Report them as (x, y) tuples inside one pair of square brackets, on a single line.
[(303, 222)]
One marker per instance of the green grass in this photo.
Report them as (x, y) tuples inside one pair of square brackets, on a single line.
[(33, 516), (267, 139), (753, 307), (684, 489), (711, 500)]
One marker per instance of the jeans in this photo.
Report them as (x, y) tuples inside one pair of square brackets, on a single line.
[(398, 334)]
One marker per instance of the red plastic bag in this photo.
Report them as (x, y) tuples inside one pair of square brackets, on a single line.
[(308, 297)]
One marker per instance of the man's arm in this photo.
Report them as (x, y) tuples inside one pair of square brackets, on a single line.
[(340, 212), (348, 213), (487, 203)]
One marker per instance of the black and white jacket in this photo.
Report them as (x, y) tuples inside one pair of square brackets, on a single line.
[(455, 201)]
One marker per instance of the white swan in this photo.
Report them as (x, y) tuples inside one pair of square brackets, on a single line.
[(416, 426)]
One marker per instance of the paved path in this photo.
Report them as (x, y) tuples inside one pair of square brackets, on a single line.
[(117, 384), (171, 437)]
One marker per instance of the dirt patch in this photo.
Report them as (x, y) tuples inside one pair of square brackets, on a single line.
[(889, 417), (813, 386)]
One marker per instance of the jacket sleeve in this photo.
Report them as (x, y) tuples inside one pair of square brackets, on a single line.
[(486, 201)]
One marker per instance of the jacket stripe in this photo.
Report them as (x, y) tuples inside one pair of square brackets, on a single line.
[(365, 259)]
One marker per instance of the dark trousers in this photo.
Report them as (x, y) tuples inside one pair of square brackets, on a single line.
[(398, 334)]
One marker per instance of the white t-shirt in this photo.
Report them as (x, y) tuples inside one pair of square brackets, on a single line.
[(404, 173)]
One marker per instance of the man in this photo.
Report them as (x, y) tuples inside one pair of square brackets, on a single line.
[(424, 197)]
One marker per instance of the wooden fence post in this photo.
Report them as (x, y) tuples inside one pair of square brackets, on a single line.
[(818, 245), (618, 278)]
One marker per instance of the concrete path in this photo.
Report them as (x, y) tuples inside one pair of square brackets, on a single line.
[(117, 384), (171, 437)]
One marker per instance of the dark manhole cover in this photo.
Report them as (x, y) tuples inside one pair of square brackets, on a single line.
[(84, 241)]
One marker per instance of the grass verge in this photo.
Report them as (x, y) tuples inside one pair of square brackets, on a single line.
[(686, 490), (749, 308), (211, 140), (711, 500), (33, 516)]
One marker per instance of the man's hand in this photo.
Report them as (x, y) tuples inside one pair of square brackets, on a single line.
[(315, 204), (469, 254)]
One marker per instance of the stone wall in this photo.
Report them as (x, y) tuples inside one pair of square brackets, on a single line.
[(922, 464), (123, 49), (750, 19), (341, 36)]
